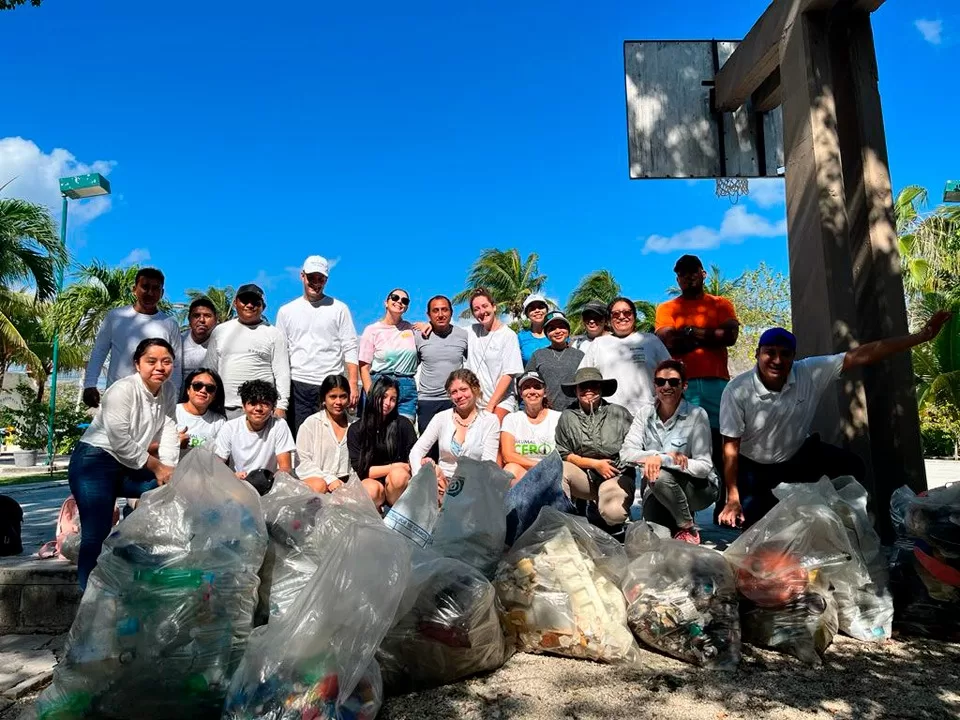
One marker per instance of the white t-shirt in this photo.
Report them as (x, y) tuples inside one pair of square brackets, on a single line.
[(773, 425), (491, 356), (193, 353), (320, 337), (631, 362), (246, 450), (202, 429), (532, 440), (249, 352), (121, 332)]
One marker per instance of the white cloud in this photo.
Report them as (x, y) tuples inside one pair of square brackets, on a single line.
[(932, 30), (738, 225), (767, 192), (136, 256), (36, 177)]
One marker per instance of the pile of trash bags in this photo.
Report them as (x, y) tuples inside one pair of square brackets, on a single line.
[(167, 611), (682, 599), (560, 590), (926, 563)]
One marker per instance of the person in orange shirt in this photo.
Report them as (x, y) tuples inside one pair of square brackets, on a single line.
[(697, 328)]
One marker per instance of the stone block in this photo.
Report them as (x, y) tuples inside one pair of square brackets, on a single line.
[(49, 608), (34, 571), (9, 608)]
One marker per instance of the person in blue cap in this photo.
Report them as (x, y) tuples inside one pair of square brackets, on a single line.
[(766, 415)]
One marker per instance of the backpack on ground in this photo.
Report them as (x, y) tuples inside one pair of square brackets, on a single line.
[(11, 524)]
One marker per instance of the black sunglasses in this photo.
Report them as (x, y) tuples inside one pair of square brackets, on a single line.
[(198, 386), (405, 301), (672, 382), (249, 300)]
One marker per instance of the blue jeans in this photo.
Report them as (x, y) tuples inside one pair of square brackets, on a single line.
[(541, 487), (706, 393), (97, 479)]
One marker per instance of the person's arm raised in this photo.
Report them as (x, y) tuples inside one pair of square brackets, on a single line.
[(874, 352)]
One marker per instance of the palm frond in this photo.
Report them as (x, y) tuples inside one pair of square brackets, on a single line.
[(30, 248)]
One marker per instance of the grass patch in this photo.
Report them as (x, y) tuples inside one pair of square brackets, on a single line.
[(34, 478)]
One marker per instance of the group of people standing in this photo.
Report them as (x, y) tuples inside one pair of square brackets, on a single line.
[(650, 420)]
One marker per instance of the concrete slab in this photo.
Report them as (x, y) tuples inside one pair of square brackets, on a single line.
[(26, 662)]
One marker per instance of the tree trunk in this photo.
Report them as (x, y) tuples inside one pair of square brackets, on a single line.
[(41, 383)]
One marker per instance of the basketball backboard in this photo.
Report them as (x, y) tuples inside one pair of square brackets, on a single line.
[(672, 130)]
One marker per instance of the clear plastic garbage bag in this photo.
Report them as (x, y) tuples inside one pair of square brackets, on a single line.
[(416, 512), (317, 659), (472, 524), (292, 512), (780, 562), (682, 601), (169, 607), (927, 577), (865, 607), (448, 627), (560, 590)]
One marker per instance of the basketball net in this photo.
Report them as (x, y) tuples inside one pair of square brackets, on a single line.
[(733, 188)]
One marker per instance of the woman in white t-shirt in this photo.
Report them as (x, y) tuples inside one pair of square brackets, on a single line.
[(200, 413), (493, 354), (528, 435), (466, 430)]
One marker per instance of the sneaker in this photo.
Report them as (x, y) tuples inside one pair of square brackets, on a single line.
[(688, 535)]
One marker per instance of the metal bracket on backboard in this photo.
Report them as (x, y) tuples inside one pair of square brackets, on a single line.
[(673, 128)]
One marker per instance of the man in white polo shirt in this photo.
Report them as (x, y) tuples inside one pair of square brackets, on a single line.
[(321, 340), (766, 414), (249, 348)]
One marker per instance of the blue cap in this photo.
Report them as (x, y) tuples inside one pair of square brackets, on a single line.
[(779, 338)]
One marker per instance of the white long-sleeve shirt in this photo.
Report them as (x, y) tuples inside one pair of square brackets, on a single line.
[(319, 452), (481, 442), (686, 432), (121, 332), (131, 417), (249, 352), (320, 336)]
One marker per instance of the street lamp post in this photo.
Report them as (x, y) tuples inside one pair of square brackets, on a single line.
[(71, 188)]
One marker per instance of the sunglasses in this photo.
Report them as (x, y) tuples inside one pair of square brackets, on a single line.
[(621, 314), (405, 301), (198, 386), (249, 300), (672, 382)]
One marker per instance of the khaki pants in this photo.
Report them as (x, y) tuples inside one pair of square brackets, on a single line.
[(613, 496)]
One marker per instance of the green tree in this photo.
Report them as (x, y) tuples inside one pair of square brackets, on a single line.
[(602, 286), (11, 4), (97, 289), (31, 254), (508, 278), (222, 299), (715, 284), (761, 299), (937, 367)]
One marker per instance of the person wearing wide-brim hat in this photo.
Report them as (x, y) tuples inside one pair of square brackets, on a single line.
[(589, 436)]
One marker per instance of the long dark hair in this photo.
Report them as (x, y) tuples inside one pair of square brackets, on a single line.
[(219, 397), (378, 434), (332, 382)]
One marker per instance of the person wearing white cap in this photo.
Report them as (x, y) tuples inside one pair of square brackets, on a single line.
[(535, 307), (321, 339), (528, 435)]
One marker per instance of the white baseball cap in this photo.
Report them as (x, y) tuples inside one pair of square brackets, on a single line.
[(316, 264), (535, 298)]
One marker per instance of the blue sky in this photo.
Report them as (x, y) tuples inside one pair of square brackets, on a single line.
[(399, 139)]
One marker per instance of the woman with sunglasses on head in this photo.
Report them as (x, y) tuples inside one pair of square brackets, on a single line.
[(200, 414), (466, 430), (528, 435), (627, 355), (324, 458), (670, 443), (379, 443), (389, 347)]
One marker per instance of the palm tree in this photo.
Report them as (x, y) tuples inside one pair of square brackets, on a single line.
[(601, 286), (715, 284), (31, 255), (929, 244), (937, 366), (83, 305), (222, 299), (508, 278)]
